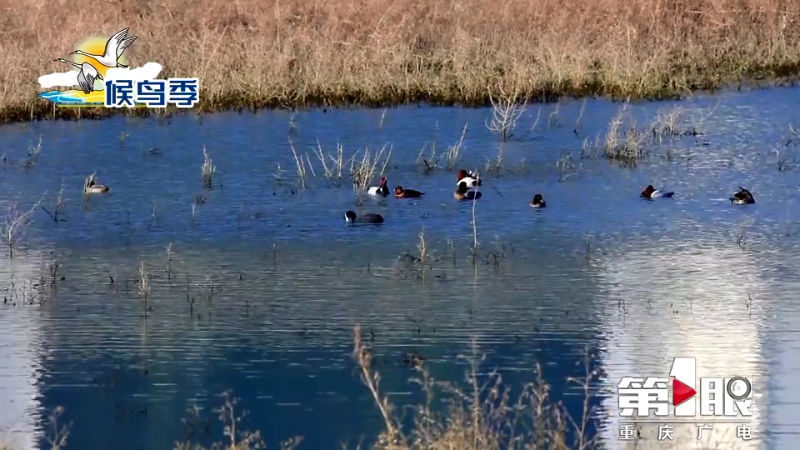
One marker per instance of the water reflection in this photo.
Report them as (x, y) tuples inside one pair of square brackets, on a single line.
[(20, 350), (689, 300)]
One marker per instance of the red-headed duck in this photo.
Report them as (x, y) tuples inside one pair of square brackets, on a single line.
[(743, 197), (470, 178), (538, 201), (463, 193), (350, 217), (650, 193), (399, 192), (380, 190)]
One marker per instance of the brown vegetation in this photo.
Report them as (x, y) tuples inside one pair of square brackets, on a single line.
[(250, 53)]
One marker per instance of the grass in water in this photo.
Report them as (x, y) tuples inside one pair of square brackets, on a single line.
[(251, 54), (479, 413)]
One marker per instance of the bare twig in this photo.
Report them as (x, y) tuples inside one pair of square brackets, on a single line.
[(15, 224), (506, 110)]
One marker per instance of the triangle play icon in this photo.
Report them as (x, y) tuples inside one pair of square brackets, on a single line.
[(681, 392)]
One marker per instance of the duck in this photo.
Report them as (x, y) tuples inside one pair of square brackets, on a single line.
[(350, 217), (743, 197), (470, 178), (399, 192), (538, 201), (91, 187), (380, 190), (650, 193), (463, 193)]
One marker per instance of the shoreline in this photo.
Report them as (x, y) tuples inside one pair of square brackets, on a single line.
[(251, 55), (42, 110)]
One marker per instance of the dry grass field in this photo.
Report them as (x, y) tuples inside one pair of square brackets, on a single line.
[(254, 53)]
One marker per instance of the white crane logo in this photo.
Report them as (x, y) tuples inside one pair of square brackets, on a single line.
[(96, 60)]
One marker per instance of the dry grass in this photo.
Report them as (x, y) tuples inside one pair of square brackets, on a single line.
[(481, 417), (251, 54), (363, 172), (363, 165)]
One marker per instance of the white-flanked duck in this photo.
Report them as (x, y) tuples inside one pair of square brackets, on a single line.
[(91, 187), (350, 217), (470, 178), (650, 193), (380, 190), (743, 197), (538, 201), (463, 193)]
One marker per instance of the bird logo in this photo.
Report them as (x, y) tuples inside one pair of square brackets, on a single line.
[(95, 60)]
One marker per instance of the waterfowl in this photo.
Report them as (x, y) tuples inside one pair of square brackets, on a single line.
[(91, 187), (650, 192), (350, 217), (743, 197), (470, 178), (538, 201), (463, 193), (399, 192), (381, 190)]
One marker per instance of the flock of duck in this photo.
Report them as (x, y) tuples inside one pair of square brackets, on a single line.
[(466, 189), (469, 181)]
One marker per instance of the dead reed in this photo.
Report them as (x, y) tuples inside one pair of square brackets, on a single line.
[(626, 142), (482, 415), (57, 213), (252, 54), (208, 169), (363, 166), (15, 224), (453, 155), (33, 156), (144, 286)]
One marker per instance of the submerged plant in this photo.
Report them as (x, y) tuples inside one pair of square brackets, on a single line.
[(421, 262), (431, 162), (56, 213), (154, 216), (57, 437), (33, 155), (301, 166), (15, 224), (237, 439), (506, 110), (208, 170), (666, 124), (170, 255), (453, 155), (474, 248), (332, 172), (495, 166), (123, 136), (624, 146), (566, 166), (363, 173), (234, 438)]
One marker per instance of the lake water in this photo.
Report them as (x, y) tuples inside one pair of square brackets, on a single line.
[(276, 280)]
